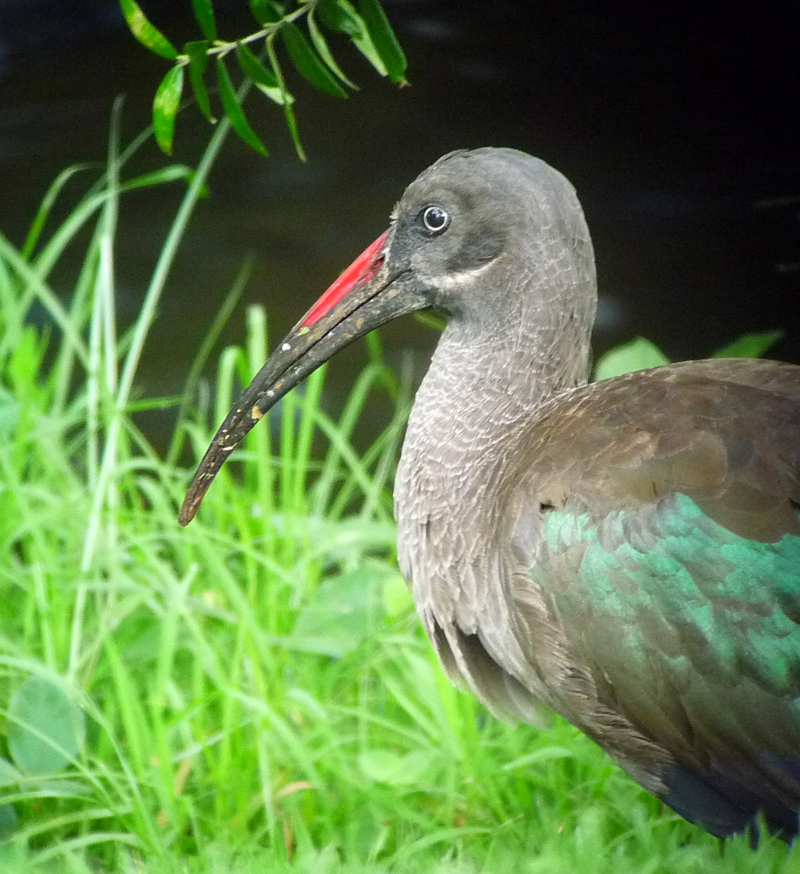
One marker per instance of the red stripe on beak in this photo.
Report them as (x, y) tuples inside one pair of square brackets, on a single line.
[(362, 269)]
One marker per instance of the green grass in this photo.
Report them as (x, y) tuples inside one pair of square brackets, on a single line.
[(252, 693)]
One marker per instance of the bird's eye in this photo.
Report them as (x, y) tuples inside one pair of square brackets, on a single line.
[(435, 219)]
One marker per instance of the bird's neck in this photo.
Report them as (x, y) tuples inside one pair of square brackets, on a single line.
[(475, 404), (477, 394), (477, 398)]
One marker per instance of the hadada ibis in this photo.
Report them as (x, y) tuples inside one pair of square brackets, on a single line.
[(625, 553)]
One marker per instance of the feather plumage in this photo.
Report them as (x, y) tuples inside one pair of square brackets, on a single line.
[(649, 559), (625, 553)]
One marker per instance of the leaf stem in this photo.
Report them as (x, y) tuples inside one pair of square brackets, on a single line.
[(224, 47)]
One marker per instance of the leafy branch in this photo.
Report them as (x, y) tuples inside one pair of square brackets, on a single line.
[(302, 31)]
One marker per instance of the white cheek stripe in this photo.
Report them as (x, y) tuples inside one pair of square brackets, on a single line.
[(461, 277)]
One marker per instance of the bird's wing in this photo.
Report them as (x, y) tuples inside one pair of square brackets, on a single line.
[(659, 524)]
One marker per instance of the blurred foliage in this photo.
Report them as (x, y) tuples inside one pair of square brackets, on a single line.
[(303, 29), (641, 353)]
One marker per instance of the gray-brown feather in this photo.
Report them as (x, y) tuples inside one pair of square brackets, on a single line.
[(722, 433), (505, 431)]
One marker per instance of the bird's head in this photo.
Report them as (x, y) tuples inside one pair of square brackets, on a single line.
[(493, 238)]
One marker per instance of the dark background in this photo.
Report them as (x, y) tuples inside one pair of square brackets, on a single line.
[(677, 124)]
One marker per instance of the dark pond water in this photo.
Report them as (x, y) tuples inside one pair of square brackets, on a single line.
[(677, 124)]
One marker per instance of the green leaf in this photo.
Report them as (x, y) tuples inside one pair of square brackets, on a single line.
[(342, 613), (45, 727), (8, 823), (308, 63), (170, 173), (266, 12), (276, 95), (265, 80), (750, 345), (165, 107), (321, 45), (9, 775), (204, 13), (387, 766), (254, 69), (234, 112), (45, 207), (365, 46), (147, 35), (544, 754), (198, 61), (429, 320), (288, 112), (341, 15), (383, 39), (25, 363), (397, 599), (638, 354)]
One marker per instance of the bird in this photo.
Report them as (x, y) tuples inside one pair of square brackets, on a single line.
[(625, 553)]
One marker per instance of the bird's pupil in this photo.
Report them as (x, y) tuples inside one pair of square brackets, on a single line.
[(434, 218)]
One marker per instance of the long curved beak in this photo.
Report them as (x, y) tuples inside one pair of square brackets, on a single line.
[(368, 294)]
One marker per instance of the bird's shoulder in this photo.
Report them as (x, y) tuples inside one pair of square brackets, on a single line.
[(724, 432)]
